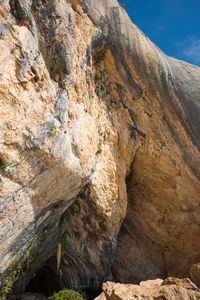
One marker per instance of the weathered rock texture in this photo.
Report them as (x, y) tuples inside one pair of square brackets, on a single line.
[(195, 274), (93, 114), (170, 289)]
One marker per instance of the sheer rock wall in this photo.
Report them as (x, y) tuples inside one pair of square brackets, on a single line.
[(98, 128)]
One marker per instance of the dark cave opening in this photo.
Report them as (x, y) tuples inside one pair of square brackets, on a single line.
[(44, 281), (89, 293)]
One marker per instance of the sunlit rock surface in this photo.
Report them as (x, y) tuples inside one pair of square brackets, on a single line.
[(99, 153), (170, 289)]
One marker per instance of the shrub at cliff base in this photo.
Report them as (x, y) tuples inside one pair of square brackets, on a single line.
[(67, 295)]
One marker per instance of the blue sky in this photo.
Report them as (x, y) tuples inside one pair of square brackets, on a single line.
[(173, 25)]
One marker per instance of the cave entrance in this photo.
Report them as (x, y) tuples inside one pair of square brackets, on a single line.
[(44, 281)]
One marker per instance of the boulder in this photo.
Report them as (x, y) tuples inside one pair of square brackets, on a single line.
[(149, 284), (170, 289)]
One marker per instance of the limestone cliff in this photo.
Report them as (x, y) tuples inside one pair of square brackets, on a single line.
[(99, 153)]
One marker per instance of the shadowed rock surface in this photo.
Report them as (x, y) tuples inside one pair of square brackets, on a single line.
[(99, 153)]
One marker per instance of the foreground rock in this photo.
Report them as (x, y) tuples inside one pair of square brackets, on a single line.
[(97, 126), (169, 289)]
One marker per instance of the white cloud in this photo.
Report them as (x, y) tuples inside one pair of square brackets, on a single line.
[(190, 48)]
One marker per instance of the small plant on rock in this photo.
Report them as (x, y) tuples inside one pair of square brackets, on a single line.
[(67, 295), (2, 166), (54, 129), (99, 147), (2, 13), (11, 25)]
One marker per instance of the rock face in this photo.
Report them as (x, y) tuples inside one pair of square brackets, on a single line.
[(195, 274), (170, 289), (98, 128)]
